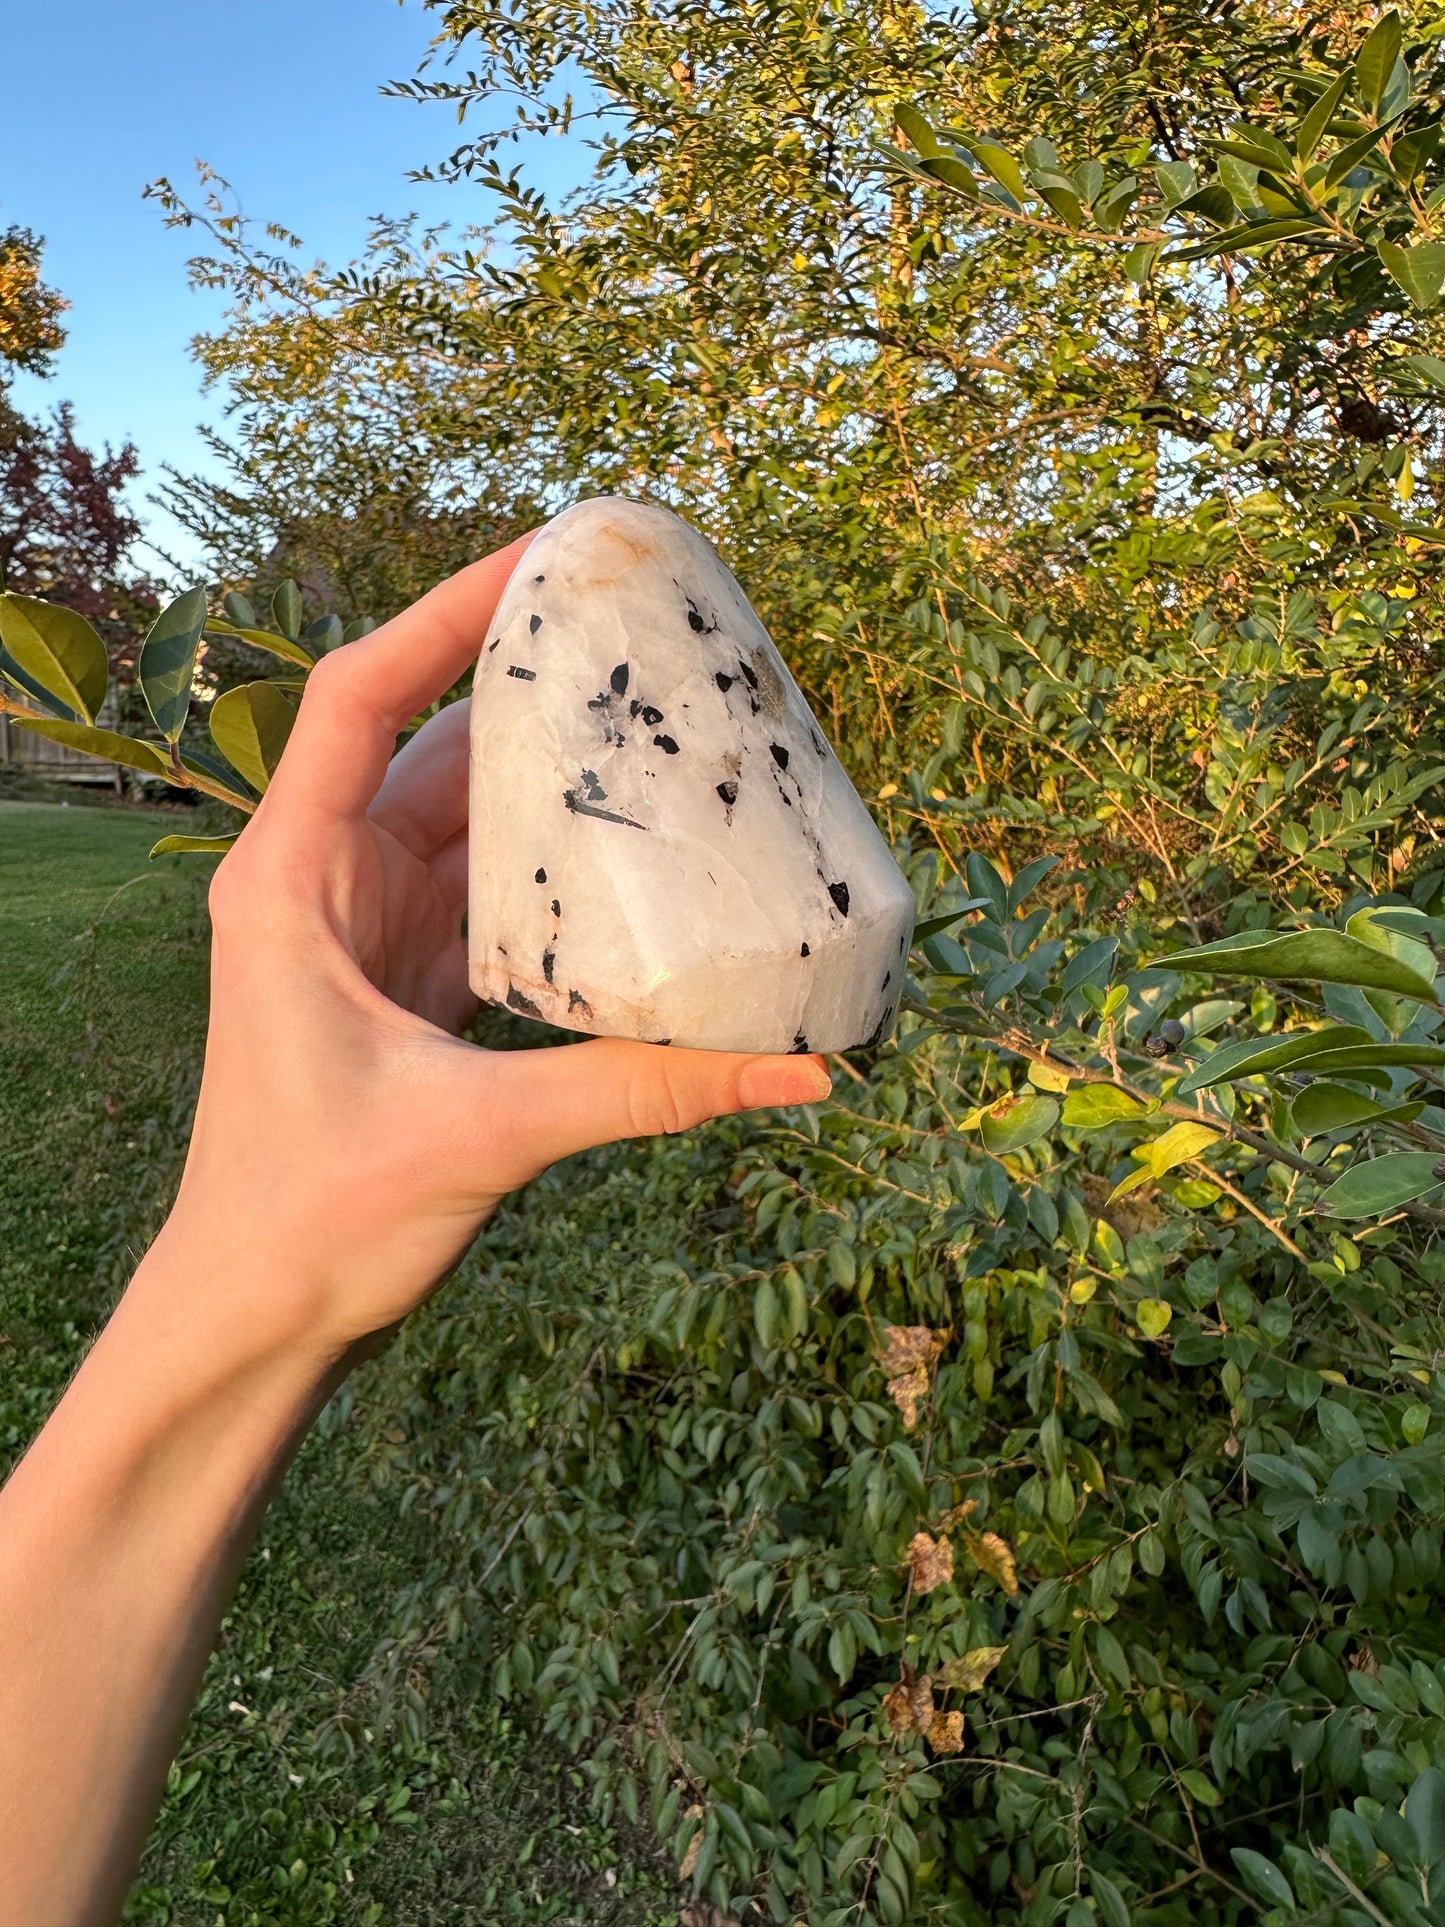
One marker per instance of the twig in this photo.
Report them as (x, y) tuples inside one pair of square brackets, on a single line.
[(1018, 1044), (1217, 1177), (1326, 1860)]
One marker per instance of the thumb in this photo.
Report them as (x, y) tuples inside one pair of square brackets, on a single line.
[(546, 1104)]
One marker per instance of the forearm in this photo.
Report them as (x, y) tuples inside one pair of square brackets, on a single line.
[(121, 1536)]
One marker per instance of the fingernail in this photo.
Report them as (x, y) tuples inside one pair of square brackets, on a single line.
[(770, 1082)]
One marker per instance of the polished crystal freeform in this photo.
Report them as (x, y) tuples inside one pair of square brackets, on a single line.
[(663, 845)]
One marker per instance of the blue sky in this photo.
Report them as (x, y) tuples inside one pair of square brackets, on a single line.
[(279, 96)]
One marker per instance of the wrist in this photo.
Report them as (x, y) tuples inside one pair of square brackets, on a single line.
[(224, 1303)]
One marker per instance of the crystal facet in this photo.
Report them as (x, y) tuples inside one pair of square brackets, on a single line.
[(663, 845)]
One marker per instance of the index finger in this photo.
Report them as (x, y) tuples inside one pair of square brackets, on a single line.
[(359, 699)]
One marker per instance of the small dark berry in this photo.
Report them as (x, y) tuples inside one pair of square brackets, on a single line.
[(1158, 1047), (1171, 1030)]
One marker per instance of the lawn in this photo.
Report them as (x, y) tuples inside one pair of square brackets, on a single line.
[(300, 1796)]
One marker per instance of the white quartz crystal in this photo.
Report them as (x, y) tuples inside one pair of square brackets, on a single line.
[(663, 846)]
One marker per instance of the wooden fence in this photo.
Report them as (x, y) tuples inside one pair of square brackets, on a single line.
[(55, 762)]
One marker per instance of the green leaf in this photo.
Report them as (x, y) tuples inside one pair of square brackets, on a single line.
[(1365, 1057), (1093, 1106), (1375, 61), (1258, 147), (1303, 956), (1413, 151), (1415, 1423), (263, 639), (1311, 128), (202, 763), (1332, 1107), (193, 845), (985, 882), (1110, 210), (766, 1311), (250, 726), (1108, 1901), (1371, 927), (1252, 1055), (166, 666), (1240, 182), (58, 648), (323, 635), (286, 609), (931, 926), (1176, 181), (239, 609), (1350, 155), (1152, 1316), (1200, 1787), (1420, 270), (1351, 1842), (125, 750), (1049, 1077), (1089, 181), (1381, 1184), (1178, 1145), (1281, 1474), (1027, 881), (1425, 1813), (1026, 1120), (12, 673), (1213, 203), (919, 133), (1139, 261), (1250, 234), (967, 1675), (1264, 1876), (1092, 964), (1002, 166), (953, 172)]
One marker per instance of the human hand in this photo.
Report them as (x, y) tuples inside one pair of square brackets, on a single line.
[(347, 1144)]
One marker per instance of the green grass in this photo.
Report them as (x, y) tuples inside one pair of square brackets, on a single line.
[(302, 1795)]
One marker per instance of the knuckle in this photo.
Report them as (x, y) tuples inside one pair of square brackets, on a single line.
[(329, 680), (236, 888), (656, 1107), (227, 893)]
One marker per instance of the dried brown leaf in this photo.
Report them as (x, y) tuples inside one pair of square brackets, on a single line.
[(898, 1712), (909, 1348), (995, 1556), (694, 1847), (945, 1735), (930, 1561), (908, 1393), (920, 1703), (908, 1356), (967, 1675), (957, 1514)]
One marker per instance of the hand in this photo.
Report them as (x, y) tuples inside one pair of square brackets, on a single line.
[(346, 1140)]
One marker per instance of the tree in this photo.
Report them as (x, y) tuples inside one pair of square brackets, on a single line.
[(30, 330), (66, 532)]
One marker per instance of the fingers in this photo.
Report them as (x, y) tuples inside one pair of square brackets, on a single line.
[(448, 868), (551, 1103), (360, 698), (422, 801)]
